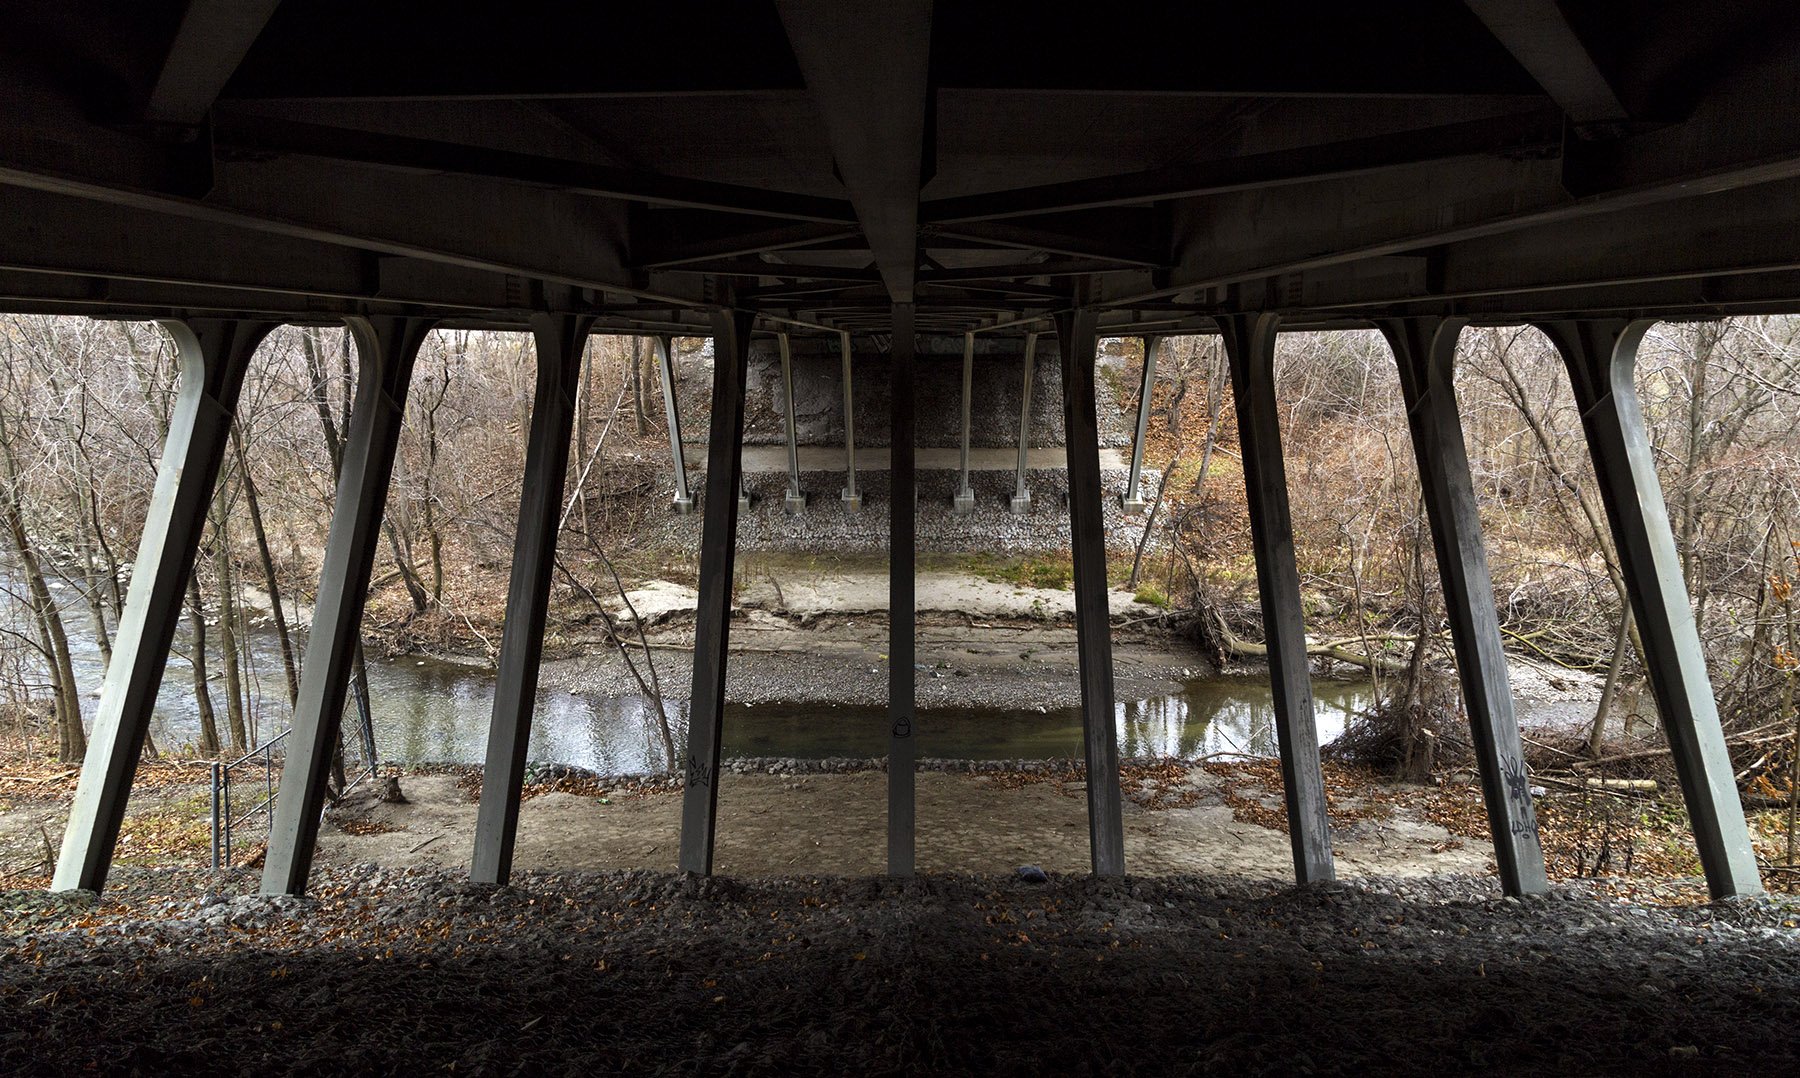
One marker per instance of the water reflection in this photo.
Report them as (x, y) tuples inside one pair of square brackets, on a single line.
[(442, 716), (427, 711)]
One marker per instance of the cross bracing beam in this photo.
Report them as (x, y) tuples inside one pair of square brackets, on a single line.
[(1328, 229), (1509, 134), (209, 45), (866, 67), (1123, 236), (264, 134), (449, 220), (300, 153), (677, 239), (193, 260), (1737, 138), (1062, 267), (781, 271), (1539, 36), (1741, 130), (1558, 264), (1771, 291)]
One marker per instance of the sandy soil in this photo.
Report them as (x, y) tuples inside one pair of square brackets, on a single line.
[(828, 824)]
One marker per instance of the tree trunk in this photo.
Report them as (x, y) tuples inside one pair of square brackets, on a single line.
[(585, 388), (1787, 708), (1216, 375), (408, 575), (641, 422), (48, 650), (1137, 561), (1415, 669), (209, 724), (436, 538), (433, 535), (321, 395), (71, 738), (1177, 397), (237, 728), (1597, 734), (289, 667), (95, 594), (1689, 500), (114, 592)]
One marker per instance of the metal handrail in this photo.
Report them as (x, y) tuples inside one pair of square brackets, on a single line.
[(222, 823)]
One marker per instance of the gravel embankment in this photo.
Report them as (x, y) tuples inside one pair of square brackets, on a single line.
[(991, 528), (419, 972)]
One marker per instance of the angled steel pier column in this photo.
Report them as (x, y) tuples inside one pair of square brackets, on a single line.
[(560, 341), (1602, 357), (1425, 350), (795, 501), (1076, 338), (1250, 346), (213, 355), (851, 496), (712, 618), (386, 348), (902, 749), (665, 363), (1133, 503), (1021, 499), (964, 502)]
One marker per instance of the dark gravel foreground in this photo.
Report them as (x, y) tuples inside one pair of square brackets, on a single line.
[(391, 972)]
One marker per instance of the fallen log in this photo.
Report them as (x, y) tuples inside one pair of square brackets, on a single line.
[(1244, 649), (1636, 786)]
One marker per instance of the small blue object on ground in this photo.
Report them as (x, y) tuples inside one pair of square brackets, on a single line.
[(1032, 874)]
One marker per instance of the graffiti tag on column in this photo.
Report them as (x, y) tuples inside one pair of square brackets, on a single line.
[(903, 726), (698, 773), (1518, 780), (1518, 791)]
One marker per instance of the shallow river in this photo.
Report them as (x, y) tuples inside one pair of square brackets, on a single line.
[(435, 711), (428, 711)]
